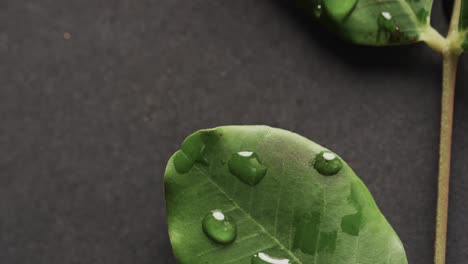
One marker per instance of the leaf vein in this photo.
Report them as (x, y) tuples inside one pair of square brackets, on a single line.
[(262, 229)]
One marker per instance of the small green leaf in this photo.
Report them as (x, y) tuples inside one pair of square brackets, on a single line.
[(360, 21), (308, 206)]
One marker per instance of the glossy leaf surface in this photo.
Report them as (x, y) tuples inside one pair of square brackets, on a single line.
[(291, 214), (373, 22)]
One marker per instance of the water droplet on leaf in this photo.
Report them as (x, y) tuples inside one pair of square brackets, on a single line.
[(327, 163), (247, 167), (262, 258), (389, 30), (339, 10), (386, 22), (219, 227)]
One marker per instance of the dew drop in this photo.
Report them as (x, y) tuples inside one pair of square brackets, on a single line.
[(262, 258), (339, 10), (247, 167), (327, 163), (219, 227)]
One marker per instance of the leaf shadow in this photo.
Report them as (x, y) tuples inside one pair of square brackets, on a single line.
[(407, 59)]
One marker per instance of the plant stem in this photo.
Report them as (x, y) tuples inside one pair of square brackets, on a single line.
[(451, 53), (446, 125)]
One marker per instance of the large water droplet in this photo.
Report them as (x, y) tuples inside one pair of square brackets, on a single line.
[(262, 258), (219, 227), (327, 163), (339, 10), (246, 166)]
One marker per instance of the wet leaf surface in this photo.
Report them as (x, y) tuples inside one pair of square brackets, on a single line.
[(307, 207)]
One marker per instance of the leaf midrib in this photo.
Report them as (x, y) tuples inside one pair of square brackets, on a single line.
[(262, 228)]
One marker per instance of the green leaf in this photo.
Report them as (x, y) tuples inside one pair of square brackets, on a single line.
[(373, 22), (255, 194)]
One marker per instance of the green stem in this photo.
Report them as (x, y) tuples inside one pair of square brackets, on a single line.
[(451, 53), (448, 92)]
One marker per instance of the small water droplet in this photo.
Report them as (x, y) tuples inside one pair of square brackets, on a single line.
[(386, 22), (219, 227), (327, 163), (339, 10), (247, 167), (262, 258)]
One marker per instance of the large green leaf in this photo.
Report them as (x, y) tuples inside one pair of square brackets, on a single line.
[(373, 22), (291, 199)]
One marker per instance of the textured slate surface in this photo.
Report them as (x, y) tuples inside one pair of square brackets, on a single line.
[(89, 122)]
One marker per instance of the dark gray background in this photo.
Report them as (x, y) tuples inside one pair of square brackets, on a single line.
[(87, 124)]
